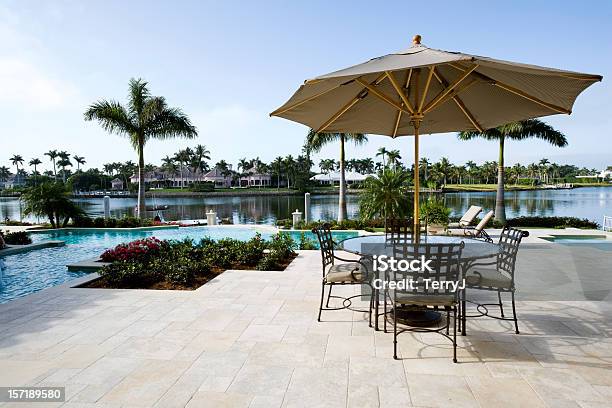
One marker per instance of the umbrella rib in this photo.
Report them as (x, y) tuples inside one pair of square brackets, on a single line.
[(431, 71), (531, 98), (460, 104), (397, 122), (432, 104), (523, 94), (310, 98), (351, 103), (399, 91), (382, 96)]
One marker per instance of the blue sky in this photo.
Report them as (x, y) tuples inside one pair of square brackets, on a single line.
[(227, 64)]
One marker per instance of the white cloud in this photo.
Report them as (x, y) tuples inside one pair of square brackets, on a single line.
[(24, 84)]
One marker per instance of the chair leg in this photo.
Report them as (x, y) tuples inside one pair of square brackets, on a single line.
[(376, 306), (454, 335), (329, 294), (385, 312), (514, 314), (394, 334), (447, 320), (371, 306), (501, 307), (322, 297), (463, 314)]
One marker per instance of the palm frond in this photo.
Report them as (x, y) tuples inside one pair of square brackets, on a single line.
[(138, 96), (112, 116), (170, 122)]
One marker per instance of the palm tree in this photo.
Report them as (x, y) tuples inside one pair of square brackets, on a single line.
[(145, 117), (17, 160), (385, 195), (64, 162), (393, 157), (277, 166), (35, 162), (289, 166), (327, 165), (79, 160), (382, 151), (200, 155), (424, 164), (526, 129), (52, 156), (4, 173), (316, 141)]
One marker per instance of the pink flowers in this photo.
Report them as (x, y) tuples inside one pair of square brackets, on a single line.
[(135, 250)]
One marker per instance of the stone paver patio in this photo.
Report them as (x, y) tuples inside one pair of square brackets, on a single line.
[(251, 339)]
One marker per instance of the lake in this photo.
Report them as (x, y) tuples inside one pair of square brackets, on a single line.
[(587, 202)]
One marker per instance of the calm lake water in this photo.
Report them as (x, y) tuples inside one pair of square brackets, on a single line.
[(588, 202)]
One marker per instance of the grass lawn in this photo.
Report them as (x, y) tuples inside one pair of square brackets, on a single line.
[(486, 187)]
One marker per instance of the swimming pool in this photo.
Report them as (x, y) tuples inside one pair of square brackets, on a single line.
[(601, 242), (32, 271)]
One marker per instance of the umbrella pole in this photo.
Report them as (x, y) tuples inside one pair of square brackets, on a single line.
[(417, 226)]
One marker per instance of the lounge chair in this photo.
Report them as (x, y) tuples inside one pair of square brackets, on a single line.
[(478, 231), (467, 218)]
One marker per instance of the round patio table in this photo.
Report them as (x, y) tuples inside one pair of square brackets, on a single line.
[(376, 244)]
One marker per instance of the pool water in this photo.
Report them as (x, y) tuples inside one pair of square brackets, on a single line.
[(32, 271), (600, 242)]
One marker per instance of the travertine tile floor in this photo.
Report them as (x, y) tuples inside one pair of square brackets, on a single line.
[(251, 339)]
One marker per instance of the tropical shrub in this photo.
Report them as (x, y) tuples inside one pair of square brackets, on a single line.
[(433, 211), (552, 222), (307, 243), (385, 196), (99, 222), (139, 250), (50, 200), (16, 238)]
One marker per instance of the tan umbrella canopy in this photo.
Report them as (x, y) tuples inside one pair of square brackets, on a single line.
[(424, 90)]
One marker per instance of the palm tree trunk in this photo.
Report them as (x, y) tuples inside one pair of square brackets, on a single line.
[(54, 171), (141, 184), (500, 208), (342, 192)]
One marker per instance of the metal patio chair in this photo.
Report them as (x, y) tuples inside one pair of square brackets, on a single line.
[(350, 272), (497, 276), (445, 267)]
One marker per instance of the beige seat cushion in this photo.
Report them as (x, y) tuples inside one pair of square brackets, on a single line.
[(488, 278), (344, 273), (424, 300)]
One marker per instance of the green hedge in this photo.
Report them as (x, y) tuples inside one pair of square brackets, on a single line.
[(99, 222)]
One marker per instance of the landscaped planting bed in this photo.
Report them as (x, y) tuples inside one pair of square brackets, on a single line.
[(186, 265)]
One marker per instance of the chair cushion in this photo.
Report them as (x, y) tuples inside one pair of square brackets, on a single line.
[(344, 272), (422, 299), (487, 277)]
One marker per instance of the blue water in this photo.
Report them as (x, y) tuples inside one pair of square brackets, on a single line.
[(36, 270)]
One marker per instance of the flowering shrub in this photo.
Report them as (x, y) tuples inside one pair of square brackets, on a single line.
[(139, 250)]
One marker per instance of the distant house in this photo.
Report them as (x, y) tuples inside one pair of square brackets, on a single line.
[(15, 180), (333, 178), (116, 184), (217, 176), (254, 178)]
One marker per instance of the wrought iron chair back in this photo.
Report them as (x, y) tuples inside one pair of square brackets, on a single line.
[(398, 230), (326, 245), (509, 241), (443, 266)]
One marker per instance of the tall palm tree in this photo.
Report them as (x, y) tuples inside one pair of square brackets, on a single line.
[(382, 151), (424, 164), (145, 117), (277, 165), (64, 162), (526, 129), (4, 173), (53, 156), (35, 162), (80, 160), (316, 141), (17, 160), (393, 157)]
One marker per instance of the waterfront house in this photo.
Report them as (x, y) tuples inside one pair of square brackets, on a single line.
[(333, 178), (116, 184), (219, 177), (253, 177)]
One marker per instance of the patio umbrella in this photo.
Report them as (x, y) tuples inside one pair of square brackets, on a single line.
[(422, 90)]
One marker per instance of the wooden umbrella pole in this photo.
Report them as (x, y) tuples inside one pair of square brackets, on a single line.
[(416, 122)]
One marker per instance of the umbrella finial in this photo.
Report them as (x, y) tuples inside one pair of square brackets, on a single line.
[(416, 40)]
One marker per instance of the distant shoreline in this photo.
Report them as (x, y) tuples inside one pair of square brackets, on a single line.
[(283, 193)]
